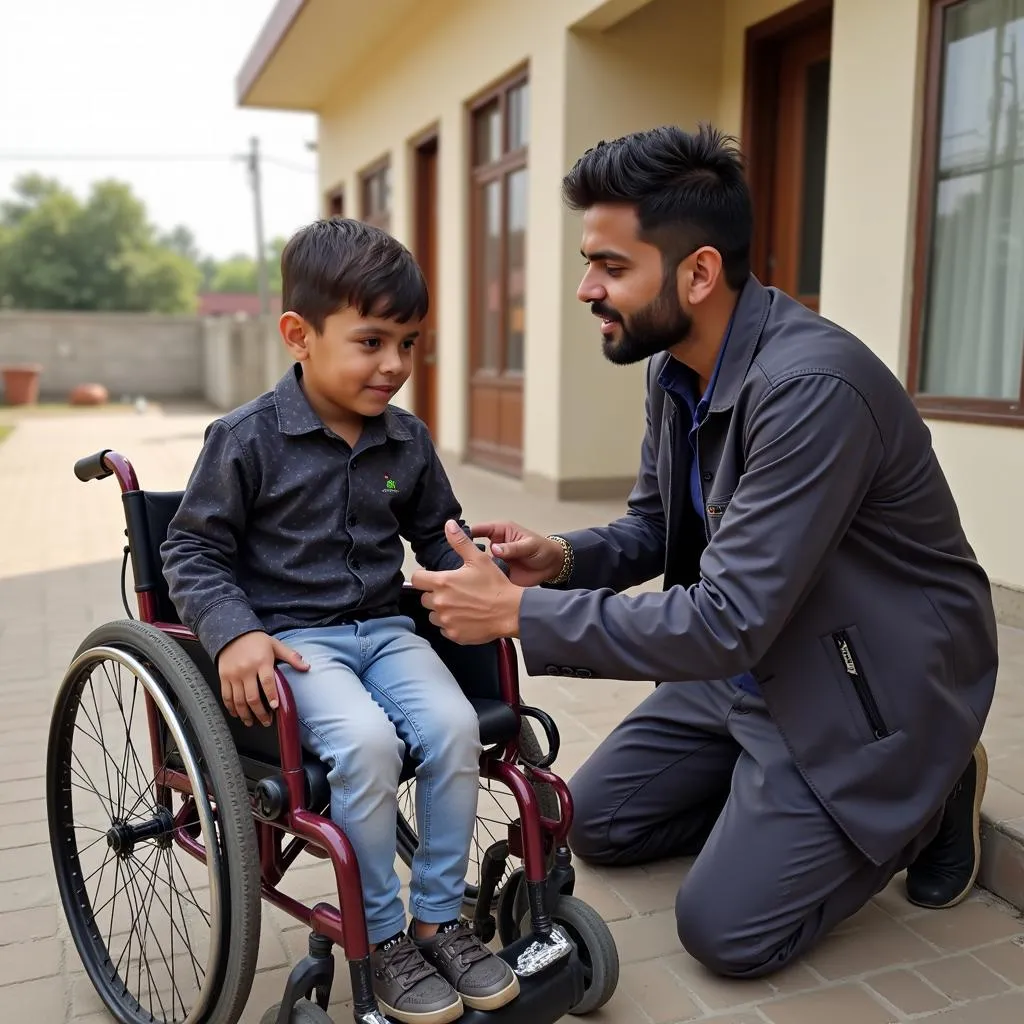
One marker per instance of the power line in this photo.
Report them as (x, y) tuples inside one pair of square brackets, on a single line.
[(149, 158)]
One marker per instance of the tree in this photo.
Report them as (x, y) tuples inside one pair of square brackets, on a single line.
[(238, 272), (58, 253)]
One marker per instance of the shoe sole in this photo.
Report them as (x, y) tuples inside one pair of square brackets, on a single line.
[(443, 1016), (981, 778), (493, 1002)]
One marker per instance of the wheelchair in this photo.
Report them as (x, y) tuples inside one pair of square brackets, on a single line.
[(143, 764)]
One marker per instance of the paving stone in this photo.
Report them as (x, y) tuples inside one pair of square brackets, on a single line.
[(971, 924), (1006, 959), (962, 978), (657, 992), (907, 991), (845, 1004), (26, 961)]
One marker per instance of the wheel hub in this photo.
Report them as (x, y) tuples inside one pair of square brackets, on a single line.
[(123, 837)]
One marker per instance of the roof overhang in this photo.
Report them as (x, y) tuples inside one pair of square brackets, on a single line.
[(306, 45)]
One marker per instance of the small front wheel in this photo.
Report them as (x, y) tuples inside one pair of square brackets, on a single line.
[(595, 947), (303, 1012)]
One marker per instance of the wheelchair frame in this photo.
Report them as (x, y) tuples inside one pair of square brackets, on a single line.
[(547, 961)]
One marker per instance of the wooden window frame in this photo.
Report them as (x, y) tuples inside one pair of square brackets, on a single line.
[(379, 219), (479, 177), (1001, 412), (335, 194)]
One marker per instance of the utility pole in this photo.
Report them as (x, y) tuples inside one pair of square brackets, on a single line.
[(261, 248)]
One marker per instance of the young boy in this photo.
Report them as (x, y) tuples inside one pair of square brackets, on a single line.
[(287, 548)]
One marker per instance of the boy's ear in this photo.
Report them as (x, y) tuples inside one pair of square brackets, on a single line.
[(295, 330)]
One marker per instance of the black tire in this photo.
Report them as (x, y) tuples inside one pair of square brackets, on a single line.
[(488, 828), (595, 946), (146, 661), (303, 1012)]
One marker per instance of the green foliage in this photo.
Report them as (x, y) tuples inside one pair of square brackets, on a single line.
[(59, 253)]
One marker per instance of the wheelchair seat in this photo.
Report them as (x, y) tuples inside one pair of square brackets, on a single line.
[(148, 515)]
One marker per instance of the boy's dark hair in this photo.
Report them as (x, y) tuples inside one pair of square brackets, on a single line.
[(331, 264), (689, 190)]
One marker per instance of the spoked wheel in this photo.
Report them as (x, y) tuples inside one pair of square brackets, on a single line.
[(164, 937), (496, 810)]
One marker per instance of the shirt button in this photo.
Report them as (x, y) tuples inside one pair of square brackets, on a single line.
[(707, 476)]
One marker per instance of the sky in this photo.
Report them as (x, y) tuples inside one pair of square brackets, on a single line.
[(85, 79)]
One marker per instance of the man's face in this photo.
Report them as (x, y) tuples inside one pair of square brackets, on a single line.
[(626, 287)]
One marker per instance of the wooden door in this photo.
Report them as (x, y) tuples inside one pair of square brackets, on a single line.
[(786, 117), (424, 374), (499, 179)]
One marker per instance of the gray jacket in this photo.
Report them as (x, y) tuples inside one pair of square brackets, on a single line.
[(834, 567)]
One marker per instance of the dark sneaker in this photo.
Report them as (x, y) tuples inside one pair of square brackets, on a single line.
[(407, 988), (945, 870), (483, 980)]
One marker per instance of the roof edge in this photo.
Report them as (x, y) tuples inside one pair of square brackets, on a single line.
[(272, 35)]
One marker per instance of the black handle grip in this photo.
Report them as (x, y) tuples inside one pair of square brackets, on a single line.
[(92, 467)]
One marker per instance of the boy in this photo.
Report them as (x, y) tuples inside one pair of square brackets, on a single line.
[(287, 548)]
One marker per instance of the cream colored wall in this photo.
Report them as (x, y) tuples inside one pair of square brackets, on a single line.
[(661, 65), (435, 62)]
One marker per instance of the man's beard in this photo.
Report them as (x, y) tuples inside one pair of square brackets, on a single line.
[(661, 324)]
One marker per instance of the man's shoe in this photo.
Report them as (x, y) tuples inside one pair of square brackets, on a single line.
[(483, 980), (408, 989), (946, 869)]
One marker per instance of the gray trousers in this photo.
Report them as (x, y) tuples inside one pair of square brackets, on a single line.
[(700, 769)]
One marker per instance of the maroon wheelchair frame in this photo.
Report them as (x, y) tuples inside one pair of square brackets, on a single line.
[(529, 838)]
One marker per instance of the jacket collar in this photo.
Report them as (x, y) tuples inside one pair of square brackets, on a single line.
[(748, 322), (295, 416)]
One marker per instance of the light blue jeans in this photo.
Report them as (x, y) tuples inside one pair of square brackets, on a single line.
[(372, 689)]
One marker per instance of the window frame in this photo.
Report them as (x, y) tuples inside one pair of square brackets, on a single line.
[(334, 196), (1000, 412), (481, 175), (377, 219)]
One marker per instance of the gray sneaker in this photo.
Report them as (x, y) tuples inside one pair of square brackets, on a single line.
[(483, 980), (409, 989)]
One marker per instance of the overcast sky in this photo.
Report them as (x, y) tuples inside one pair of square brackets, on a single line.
[(102, 78)]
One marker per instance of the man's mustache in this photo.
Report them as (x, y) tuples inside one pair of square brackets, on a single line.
[(605, 312)]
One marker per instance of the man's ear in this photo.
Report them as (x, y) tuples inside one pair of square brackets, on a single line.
[(295, 332), (698, 275)]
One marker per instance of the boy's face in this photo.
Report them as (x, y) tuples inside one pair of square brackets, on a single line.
[(356, 363)]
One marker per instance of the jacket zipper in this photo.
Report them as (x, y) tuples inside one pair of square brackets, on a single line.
[(860, 685)]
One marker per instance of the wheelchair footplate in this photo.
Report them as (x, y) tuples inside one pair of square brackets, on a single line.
[(551, 982)]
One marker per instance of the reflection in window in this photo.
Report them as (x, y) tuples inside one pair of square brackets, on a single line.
[(973, 328)]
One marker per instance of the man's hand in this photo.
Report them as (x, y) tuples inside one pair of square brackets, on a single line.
[(531, 558), (245, 665), (474, 604)]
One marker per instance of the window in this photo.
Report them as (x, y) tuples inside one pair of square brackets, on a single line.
[(968, 319), (500, 133), (375, 186), (335, 203)]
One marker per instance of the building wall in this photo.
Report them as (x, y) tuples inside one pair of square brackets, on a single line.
[(130, 354)]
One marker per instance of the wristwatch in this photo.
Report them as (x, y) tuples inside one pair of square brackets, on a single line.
[(567, 560)]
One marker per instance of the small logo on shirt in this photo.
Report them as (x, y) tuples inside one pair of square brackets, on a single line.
[(390, 487)]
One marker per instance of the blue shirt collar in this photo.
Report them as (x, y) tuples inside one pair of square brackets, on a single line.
[(679, 379)]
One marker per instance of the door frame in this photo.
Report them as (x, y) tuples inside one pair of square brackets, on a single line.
[(429, 140), (762, 44)]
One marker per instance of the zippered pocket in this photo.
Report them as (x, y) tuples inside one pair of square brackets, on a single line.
[(855, 673)]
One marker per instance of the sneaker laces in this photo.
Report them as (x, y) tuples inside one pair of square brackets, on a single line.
[(404, 960), (463, 943)]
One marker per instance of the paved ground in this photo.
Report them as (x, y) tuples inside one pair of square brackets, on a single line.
[(60, 545)]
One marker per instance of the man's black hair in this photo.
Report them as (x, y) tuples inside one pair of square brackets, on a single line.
[(689, 190), (331, 264)]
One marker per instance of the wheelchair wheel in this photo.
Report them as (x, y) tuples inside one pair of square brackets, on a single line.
[(164, 938), (496, 810), (303, 1012), (594, 945)]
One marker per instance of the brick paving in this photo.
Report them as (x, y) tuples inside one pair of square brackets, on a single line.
[(60, 545)]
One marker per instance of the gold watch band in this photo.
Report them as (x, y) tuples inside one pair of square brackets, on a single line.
[(567, 560)]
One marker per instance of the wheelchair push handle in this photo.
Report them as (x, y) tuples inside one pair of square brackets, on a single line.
[(93, 467)]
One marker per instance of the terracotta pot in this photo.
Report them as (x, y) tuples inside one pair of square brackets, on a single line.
[(21, 383), (88, 394)]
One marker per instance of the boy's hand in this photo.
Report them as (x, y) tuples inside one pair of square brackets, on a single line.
[(246, 664)]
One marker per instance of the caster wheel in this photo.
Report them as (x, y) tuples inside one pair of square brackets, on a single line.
[(596, 949), (303, 1012)]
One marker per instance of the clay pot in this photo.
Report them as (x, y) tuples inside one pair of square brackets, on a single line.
[(88, 394), (21, 383)]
